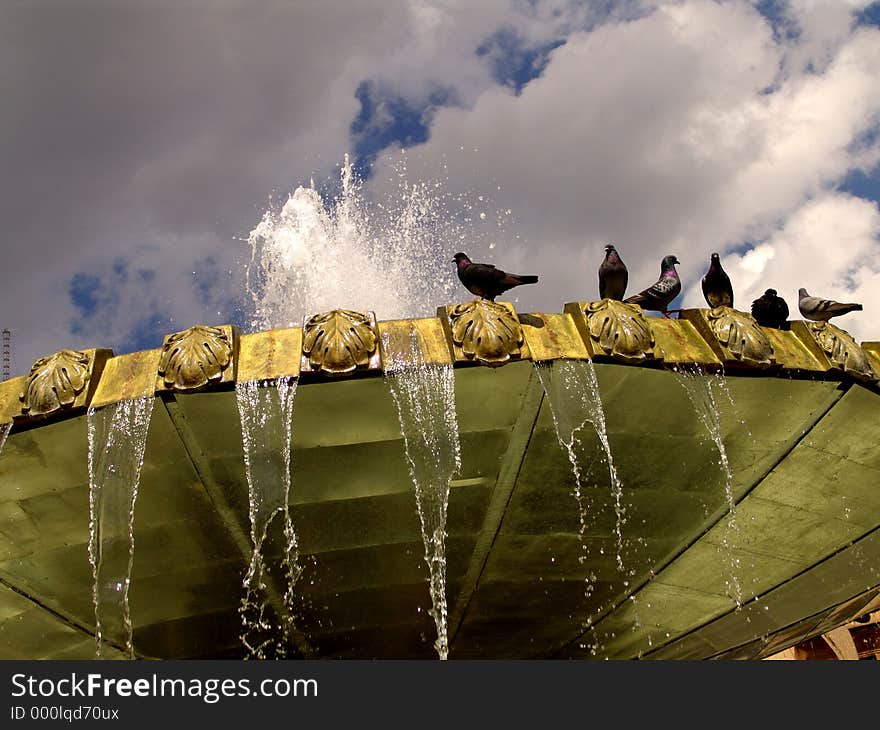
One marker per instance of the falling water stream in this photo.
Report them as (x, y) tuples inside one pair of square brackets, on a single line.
[(386, 250), (572, 390), (117, 439), (700, 389), (5, 428), (424, 394), (266, 413)]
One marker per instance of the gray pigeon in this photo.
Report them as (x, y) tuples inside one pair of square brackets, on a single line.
[(770, 310), (613, 275), (658, 296), (821, 310), (485, 280), (717, 288)]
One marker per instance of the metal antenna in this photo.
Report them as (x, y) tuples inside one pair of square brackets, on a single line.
[(7, 353)]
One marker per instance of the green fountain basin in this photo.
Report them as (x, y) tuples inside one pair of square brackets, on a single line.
[(802, 445)]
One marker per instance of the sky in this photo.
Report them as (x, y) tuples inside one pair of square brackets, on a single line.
[(141, 143)]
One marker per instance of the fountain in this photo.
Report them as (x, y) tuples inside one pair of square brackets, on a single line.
[(117, 441), (424, 395), (800, 479), (310, 256), (572, 391), (425, 436), (266, 413), (699, 389)]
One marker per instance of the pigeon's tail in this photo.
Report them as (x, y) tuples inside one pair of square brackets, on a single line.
[(839, 308), (525, 279), (512, 280)]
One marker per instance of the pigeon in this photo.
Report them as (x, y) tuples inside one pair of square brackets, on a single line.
[(821, 310), (658, 296), (717, 288), (770, 310), (485, 280), (612, 275)]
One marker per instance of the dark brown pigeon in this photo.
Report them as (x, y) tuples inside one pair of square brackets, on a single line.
[(770, 310), (485, 280), (658, 296), (821, 310), (717, 288), (613, 275)]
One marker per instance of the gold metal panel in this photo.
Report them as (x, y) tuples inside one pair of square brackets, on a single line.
[(270, 355), (679, 343), (872, 349), (126, 377), (484, 332), (182, 369), (799, 330), (340, 342), (432, 342), (553, 337), (45, 377), (10, 405), (790, 352), (735, 337)]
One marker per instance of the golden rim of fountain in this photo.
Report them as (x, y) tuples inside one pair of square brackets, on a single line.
[(343, 343)]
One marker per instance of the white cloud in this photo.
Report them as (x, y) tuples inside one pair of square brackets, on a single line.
[(821, 26), (658, 134), (170, 128), (652, 129), (831, 247)]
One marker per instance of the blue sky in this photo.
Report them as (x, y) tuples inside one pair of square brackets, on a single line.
[(146, 141)]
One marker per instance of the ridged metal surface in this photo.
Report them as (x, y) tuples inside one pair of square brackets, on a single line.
[(801, 440)]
